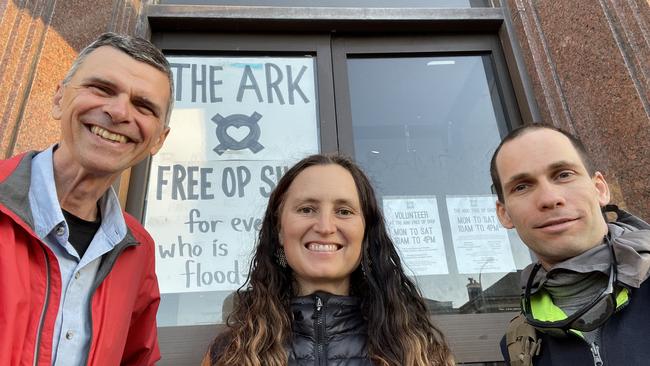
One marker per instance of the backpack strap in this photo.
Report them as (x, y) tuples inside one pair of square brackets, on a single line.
[(626, 217), (522, 342)]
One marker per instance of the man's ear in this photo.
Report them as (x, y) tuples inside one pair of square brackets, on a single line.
[(57, 110), (159, 143), (503, 216), (602, 187)]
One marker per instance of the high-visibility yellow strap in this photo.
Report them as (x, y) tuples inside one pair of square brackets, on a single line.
[(543, 308)]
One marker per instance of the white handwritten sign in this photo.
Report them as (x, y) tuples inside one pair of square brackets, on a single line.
[(237, 126)]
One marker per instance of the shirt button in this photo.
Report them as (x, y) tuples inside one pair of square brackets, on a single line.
[(69, 335), (77, 275), (60, 230)]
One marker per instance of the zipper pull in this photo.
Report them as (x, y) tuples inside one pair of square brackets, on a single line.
[(595, 351), (319, 303)]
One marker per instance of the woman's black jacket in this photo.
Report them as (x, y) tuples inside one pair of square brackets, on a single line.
[(328, 330)]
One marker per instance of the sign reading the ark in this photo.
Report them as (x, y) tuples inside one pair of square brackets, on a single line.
[(238, 124)]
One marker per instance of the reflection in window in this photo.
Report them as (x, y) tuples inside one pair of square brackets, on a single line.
[(424, 130)]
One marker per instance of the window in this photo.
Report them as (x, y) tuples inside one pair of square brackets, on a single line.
[(424, 128), (239, 123), (420, 113), (422, 116)]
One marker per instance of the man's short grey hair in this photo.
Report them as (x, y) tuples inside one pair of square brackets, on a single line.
[(139, 49)]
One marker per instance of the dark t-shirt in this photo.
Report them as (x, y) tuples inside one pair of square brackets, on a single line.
[(82, 232)]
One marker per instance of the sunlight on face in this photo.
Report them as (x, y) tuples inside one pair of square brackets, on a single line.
[(322, 229), (549, 196)]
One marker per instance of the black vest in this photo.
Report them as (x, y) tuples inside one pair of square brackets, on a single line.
[(625, 338), (328, 330)]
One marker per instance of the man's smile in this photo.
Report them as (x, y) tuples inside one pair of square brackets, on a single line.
[(108, 135), (557, 224)]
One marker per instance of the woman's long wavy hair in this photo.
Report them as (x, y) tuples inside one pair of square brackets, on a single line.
[(400, 332)]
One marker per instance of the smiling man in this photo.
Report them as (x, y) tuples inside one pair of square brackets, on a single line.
[(77, 278), (585, 302)]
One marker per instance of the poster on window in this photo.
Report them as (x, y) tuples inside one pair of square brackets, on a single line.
[(414, 227), (481, 244), (238, 124)]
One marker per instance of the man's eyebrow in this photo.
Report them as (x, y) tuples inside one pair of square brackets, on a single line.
[(140, 100), (99, 80), (145, 102), (562, 164), (517, 178)]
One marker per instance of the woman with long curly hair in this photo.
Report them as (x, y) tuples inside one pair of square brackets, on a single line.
[(326, 285)]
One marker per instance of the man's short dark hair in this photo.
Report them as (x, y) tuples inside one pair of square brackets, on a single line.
[(519, 131), (137, 48)]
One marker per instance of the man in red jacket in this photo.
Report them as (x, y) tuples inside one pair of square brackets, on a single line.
[(77, 278)]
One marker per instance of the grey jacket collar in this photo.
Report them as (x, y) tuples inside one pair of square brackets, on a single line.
[(14, 191), (632, 249)]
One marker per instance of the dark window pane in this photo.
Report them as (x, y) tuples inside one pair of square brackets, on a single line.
[(424, 129)]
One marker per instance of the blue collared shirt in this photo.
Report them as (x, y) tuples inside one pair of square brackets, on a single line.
[(73, 328)]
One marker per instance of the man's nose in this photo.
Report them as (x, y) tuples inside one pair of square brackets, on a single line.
[(549, 195), (325, 224), (119, 108)]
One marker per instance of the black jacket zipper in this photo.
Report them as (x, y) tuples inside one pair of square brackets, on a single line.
[(595, 352), (319, 328)]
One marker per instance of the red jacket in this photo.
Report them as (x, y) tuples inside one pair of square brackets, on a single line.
[(124, 303)]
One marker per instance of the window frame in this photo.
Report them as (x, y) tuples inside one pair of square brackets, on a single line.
[(327, 34), (173, 44), (418, 45), (461, 329), (197, 337)]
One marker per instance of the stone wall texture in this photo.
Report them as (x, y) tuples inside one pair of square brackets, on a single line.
[(589, 62), (38, 42)]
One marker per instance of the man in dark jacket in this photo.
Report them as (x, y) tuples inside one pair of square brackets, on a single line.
[(77, 279), (587, 298)]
